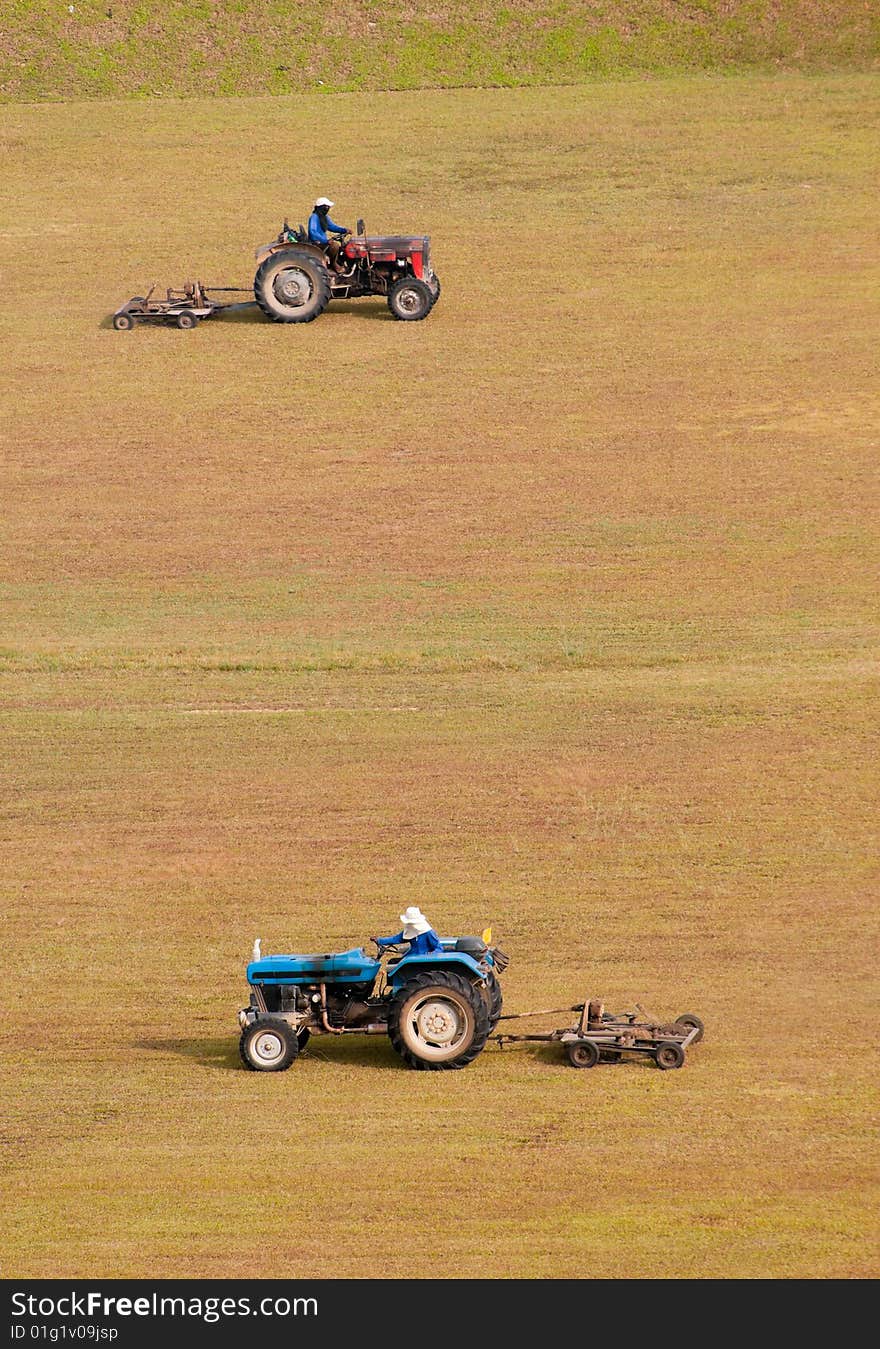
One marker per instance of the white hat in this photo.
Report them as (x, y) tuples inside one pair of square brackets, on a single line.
[(414, 922), (324, 201)]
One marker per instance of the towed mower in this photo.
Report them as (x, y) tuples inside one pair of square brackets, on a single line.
[(605, 1037)]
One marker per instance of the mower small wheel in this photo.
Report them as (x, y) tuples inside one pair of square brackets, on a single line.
[(689, 1020), (410, 299), (268, 1046), (583, 1054), (123, 322), (669, 1055), (186, 320)]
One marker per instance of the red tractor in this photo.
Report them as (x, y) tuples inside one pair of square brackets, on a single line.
[(295, 279)]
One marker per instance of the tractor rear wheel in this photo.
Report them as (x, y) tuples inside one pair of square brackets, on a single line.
[(292, 286), (495, 1000), (268, 1046), (438, 1020), (410, 299)]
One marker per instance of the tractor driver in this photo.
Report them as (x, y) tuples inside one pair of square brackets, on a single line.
[(417, 931), (321, 227)]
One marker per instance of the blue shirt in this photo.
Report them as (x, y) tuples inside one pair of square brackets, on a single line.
[(422, 945), (317, 233)]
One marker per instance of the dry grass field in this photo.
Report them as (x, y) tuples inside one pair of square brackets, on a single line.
[(557, 611)]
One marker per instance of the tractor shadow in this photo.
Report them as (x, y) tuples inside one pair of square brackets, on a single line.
[(220, 1053), (375, 311)]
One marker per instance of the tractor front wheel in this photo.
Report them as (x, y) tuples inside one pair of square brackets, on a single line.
[(292, 286), (438, 1020), (268, 1046), (434, 287), (410, 299)]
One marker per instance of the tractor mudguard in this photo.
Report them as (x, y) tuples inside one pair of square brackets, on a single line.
[(455, 961), (260, 254)]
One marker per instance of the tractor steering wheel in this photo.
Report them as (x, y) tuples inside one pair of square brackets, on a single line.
[(385, 950)]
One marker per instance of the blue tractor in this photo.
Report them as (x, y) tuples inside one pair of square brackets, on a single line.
[(438, 1010)]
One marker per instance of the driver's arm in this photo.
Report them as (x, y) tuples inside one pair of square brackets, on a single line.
[(336, 229), (388, 941)]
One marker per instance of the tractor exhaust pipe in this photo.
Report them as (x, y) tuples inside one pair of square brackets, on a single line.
[(331, 1030)]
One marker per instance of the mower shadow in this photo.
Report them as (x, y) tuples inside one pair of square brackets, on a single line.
[(554, 1057), (250, 313)]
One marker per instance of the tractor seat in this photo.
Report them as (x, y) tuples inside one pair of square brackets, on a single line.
[(471, 946)]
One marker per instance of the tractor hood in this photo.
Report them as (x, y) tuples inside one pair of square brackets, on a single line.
[(404, 243), (347, 967), (387, 247)]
